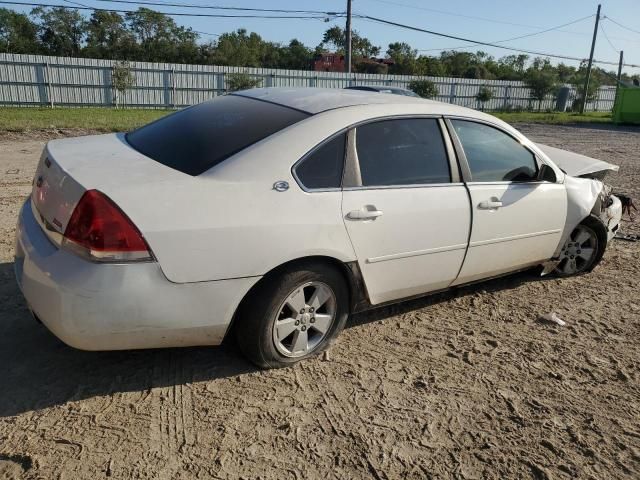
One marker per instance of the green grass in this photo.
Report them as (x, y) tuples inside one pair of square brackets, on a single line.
[(16, 119), (554, 117)]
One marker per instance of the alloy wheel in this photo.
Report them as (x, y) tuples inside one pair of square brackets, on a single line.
[(304, 319), (579, 251)]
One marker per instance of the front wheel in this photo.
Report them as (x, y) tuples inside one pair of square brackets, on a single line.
[(292, 315), (582, 251)]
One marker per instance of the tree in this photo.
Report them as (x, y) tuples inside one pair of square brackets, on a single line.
[(238, 49), (109, 37), (404, 58), (61, 31), (512, 67), (431, 66), (241, 81), (424, 88), (541, 79), (160, 39), (336, 38), (122, 79), (296, 56), (18, 34), (484, 95), (578, 83)]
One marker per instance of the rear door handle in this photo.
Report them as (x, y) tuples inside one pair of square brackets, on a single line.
[(489, 204), (368, 212)]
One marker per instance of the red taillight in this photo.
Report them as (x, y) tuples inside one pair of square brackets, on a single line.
[(99, 229)]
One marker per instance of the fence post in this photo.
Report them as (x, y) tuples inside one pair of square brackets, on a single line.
[(452, 92), (507, 93), (47, 71), (173, 87)]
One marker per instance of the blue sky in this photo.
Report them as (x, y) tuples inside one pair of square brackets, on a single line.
[(483, 20)]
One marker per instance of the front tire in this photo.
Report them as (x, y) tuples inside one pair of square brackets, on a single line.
[(583, 250), (292, 315)]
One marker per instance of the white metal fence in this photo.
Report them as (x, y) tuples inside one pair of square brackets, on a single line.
[(36, 80)]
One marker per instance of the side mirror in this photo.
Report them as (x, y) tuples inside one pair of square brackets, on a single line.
[(546, 174)]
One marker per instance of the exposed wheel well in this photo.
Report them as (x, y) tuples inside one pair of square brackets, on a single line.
[(350, 271)]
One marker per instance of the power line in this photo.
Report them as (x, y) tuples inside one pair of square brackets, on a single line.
[(215, 7), (472, 17), (622, 26), (171, 14), (607, 38), (487, 44), (521, 36)]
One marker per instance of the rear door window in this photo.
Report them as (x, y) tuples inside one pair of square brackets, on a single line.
[(493, 155), (197, 138), (322, 168), (402, 152)]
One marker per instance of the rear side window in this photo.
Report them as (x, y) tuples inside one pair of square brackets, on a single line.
[(197, 138), (493, 155), (323, 167), (402, 152)]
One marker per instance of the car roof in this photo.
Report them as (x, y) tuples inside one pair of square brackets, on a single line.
[(317, 100)]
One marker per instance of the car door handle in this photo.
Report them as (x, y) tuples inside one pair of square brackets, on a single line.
[(368, 212), (489, 204)]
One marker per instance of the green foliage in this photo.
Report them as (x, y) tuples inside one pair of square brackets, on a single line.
[(241, 81), (484, 95), (108, 36), (122, 79), (147, 35), (336, 38), (18, 34), (159, 39), (404, 58), (578, 82), (542, 79), (424, 88), (17, 119), (61, 31)]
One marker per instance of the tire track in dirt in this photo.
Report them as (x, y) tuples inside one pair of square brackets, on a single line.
[(171, 425)]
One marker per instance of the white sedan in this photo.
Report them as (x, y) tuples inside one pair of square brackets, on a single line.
[(272, 214)]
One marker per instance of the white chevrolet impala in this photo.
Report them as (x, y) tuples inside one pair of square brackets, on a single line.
[(272, 214)]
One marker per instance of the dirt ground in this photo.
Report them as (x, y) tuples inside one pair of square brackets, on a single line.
[(460, 385)]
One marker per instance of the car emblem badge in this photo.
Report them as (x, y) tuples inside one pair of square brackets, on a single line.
[(281, 186)]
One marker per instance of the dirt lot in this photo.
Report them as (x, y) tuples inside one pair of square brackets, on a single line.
[(461, 385)]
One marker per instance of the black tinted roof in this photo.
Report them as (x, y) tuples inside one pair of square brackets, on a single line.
[(197, 138)]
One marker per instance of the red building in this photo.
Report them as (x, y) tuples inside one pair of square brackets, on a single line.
[(329, 62), (335, 62)]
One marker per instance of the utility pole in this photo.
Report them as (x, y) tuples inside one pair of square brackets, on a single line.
[(348, 43), (619, 77), (593, 47)]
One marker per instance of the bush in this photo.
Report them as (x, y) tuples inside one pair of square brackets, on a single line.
[(241, 81), (540, 83), (122, 79), (424, 88), (484, 95)]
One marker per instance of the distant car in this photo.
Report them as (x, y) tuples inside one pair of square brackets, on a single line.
[(381, 89), (275, 213)]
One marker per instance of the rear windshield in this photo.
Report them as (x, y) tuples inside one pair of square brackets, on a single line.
[(197, 138)]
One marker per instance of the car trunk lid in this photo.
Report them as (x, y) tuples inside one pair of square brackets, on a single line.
[(69, 167)]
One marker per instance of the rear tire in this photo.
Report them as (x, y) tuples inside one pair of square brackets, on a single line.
[(292, 315), (583, 250)]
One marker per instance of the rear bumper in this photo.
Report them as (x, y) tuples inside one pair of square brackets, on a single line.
[(95, 306)]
